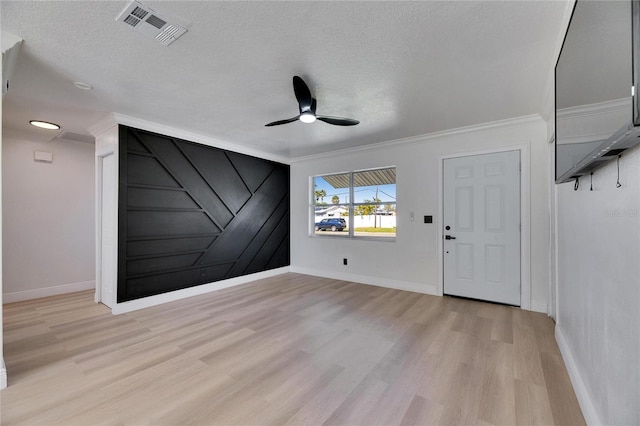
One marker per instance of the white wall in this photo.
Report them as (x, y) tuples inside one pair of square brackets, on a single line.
[(3, 368), (48, 218), (412, 261), (598, 327)]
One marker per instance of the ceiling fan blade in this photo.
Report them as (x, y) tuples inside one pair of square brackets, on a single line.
[(313, 105), (279, 122), (338, 121), (303, 94)]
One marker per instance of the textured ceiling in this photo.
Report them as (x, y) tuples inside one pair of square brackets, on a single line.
[(401, 68)]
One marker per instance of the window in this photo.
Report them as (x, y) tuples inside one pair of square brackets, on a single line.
[(355, 204)]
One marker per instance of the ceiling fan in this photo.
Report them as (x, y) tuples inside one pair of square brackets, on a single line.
[(307, 107)]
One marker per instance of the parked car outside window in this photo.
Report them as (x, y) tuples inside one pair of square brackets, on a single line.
[(334, 224)]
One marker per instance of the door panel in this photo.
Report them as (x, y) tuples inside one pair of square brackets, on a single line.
[(482, 211), (494, 260), (494, 208), (464, 261), (464, 208)]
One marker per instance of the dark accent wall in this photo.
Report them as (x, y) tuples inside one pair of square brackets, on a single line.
[(191, 214)]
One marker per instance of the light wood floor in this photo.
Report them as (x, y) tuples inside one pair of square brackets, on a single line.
[(292, 349)]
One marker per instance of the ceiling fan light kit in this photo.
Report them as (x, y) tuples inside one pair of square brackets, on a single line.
[(307, 108), (307, 117)]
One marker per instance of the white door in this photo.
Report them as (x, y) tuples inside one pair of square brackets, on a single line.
[(482, 227), (108, 232)]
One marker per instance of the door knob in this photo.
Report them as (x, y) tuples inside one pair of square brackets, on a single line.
[(449, 237)]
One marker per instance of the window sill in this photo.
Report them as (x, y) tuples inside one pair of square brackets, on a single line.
[(356, 238)]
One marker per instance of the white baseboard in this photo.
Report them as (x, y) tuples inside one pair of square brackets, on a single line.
[(3, 374), (539, 306), (19, 296), (431, 289), (146, 302), (582, 393)]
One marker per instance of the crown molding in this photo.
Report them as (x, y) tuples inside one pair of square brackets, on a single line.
[(527, 120), (114, 119), (598, 116), (585, 138), (599, 108), (194, 137), (104, 124)]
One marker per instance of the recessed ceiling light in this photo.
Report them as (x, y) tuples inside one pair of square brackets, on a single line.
[(82, 86), (44, 125)]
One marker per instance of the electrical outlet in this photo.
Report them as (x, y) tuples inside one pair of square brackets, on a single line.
[(344, 261)]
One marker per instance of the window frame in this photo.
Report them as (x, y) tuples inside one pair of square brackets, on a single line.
[(351, 206)]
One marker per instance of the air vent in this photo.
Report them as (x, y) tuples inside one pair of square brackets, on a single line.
[(147, 21), (139, 12), (131, 20), (156, 22), (168, 34)]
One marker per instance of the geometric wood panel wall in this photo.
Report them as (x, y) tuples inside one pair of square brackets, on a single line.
[(191, 214)]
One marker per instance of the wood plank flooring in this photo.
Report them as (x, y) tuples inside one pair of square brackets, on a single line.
[(287, 350)]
